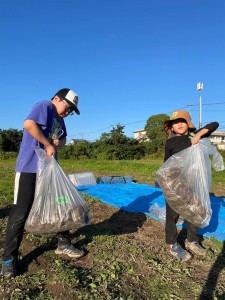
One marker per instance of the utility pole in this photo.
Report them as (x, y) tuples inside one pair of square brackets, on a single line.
[(200, 88)]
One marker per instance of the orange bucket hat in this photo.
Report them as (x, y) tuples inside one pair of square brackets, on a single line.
[(178, 114)]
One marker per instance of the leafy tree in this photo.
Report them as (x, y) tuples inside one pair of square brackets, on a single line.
[(127, 152), (10, 139), (77, 151), (116, 145), (155, 133), (115, 137)]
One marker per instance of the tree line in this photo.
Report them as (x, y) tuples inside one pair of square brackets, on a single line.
[(113, 145), (10, 139)]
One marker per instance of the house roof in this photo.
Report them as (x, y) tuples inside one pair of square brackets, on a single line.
[(218, 133)]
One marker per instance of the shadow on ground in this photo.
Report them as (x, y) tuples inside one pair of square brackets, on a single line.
[(33, 255), (121, 222), (4, 212), (210, 285)]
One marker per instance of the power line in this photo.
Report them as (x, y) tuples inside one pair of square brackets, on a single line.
[(100, 130), (131, 123), (215, 103)]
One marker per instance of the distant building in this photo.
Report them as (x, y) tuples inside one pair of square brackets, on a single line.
[(140, 135), (217, 137), (77, 141)]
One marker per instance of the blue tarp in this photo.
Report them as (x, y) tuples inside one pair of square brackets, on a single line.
[(134, 197)]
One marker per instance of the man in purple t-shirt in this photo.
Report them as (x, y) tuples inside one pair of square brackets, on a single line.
[(44, 127)]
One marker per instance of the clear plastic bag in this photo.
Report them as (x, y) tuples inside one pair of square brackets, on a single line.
[(186, 180), (57, 205), (160, 212), (84, 178)]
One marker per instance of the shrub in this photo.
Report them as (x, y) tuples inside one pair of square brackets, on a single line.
[(8, 155)]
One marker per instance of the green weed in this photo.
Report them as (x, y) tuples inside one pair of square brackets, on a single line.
[(118, 266)]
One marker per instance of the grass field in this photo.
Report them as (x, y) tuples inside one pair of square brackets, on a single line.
[(126, 256)]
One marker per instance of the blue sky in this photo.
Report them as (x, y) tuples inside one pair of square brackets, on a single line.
[(126, 59)]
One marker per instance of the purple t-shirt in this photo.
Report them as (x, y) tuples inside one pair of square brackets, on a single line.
[(43, 113)]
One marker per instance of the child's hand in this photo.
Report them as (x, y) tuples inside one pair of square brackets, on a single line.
[(198, 135), (56, 142), (50, 150), (59, 142), (195, 139)]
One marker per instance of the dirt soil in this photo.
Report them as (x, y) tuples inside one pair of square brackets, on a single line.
[(141, 230)]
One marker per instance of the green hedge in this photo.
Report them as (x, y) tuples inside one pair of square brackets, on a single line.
[(8, 155)]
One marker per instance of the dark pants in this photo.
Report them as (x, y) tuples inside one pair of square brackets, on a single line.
[(171, 229), (24, 197)]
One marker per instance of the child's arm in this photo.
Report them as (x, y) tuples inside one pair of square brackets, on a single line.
[(204, 132), (33, 129), (198, 136), (167, 151)]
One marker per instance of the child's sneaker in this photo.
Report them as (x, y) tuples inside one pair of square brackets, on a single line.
[(177, 251), (69, 250), (9, 268), (195, 247)]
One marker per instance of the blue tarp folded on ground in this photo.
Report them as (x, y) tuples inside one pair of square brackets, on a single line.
[(135, 197)]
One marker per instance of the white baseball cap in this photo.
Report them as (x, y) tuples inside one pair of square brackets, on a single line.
[(71, 98)]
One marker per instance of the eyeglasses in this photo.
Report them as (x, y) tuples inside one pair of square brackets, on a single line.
[(69, 110)]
